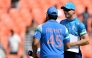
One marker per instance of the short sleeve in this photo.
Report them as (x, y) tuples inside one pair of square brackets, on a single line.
[(66, 36), (38, 32), (81, 29)]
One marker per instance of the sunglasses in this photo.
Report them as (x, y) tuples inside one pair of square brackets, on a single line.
[(67, 10)]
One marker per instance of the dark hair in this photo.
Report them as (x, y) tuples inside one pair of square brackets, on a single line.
[(53, 16), (86, 9), (12, 31)]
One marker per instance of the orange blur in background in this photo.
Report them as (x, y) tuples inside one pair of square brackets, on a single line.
[(19, 18)]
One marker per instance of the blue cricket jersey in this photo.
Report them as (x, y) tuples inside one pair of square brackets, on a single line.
[(76, 29), (52, 36)]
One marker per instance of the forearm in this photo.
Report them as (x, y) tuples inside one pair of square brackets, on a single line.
[(34, 47), (67, 46), (82, 42)]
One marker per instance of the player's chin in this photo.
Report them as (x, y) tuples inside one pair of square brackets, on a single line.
[(67, 16)]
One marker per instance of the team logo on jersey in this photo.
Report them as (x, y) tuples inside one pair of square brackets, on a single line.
[(79, 22), (73, 27)]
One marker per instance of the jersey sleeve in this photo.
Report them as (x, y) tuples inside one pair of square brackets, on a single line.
[(66, 36), (81, 29), (38, 32)]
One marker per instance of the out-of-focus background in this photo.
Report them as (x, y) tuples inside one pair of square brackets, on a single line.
[(19, 18)]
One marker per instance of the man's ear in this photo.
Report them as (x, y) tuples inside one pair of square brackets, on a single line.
[(46, 15), (74, 12)]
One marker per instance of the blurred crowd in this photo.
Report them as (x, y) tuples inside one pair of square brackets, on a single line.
[(19, 19)]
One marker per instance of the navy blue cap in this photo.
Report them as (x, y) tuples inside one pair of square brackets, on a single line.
[(51, 10), (68, 5)]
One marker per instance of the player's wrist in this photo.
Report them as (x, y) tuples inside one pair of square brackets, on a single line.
[(34, 55), (72, 44)]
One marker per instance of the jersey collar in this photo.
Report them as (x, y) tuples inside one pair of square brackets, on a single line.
[(51, 20), (72, 19)]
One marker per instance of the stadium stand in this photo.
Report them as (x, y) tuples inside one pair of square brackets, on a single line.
[(19, 18)]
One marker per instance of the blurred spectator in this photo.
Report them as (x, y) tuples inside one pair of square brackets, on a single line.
[(29, 38), (89, 26), (2, 52), (85, 15), (14, 3), (14, 41)]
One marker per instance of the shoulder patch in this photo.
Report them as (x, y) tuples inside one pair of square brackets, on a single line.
[(39, 27)]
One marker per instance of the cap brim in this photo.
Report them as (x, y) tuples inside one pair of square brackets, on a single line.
[(62, 7)]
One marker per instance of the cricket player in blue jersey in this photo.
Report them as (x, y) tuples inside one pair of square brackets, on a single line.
[(52, 36), (77, 31)]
